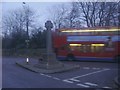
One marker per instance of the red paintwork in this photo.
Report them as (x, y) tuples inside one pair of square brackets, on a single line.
[(60, 40)]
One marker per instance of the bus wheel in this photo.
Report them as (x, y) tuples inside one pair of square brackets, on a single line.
[(117, 58), (70, 57)]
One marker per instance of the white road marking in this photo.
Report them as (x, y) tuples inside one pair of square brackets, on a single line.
[(47, 76), (56, 78), (90, 73), (92, 84), (83, 85), (106, 87), (75, 80), (42, 74), (67, 81)]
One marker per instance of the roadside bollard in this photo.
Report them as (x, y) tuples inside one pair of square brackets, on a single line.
[(27, 60)]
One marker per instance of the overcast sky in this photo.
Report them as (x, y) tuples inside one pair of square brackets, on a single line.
[(41, 8)]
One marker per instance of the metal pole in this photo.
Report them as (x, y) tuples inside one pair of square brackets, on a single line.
[(27, 30)]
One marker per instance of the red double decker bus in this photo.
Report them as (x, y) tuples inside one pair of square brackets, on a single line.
[(87, 44)]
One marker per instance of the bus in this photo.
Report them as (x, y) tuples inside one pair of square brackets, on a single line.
[(87, 44)]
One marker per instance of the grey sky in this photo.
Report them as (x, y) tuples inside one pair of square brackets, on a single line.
[(41, 9)]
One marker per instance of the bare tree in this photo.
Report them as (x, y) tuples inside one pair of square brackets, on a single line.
[(90, 13), (85, 10), (21, 19), (16, 25), (99, 13), (119, 14), (28, 17), (73, 16), (59, 14), (66, 15)]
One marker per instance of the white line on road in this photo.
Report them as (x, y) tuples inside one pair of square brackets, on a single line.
[(107, 87), (75, 80), (83, 85), (67, 81), (92, 84), (47, 76), (42, 74), (90, 73), (56, 78)]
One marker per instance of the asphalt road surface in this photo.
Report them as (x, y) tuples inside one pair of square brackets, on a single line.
[(89, 75)]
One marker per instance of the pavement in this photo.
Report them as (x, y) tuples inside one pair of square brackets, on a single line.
[(45, 68)]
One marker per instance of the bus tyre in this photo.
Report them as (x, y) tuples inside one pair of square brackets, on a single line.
[(117, 59)]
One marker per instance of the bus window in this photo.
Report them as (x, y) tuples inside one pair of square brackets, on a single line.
[(84, 48), (88, 48), (75, 47), (72, 48), (92, 48), (109, 42), (97, 47)]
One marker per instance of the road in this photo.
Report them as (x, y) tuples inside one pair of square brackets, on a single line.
[(89, 75)]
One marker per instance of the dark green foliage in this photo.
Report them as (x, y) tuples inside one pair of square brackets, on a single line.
[(17, 41), (38, 40)]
